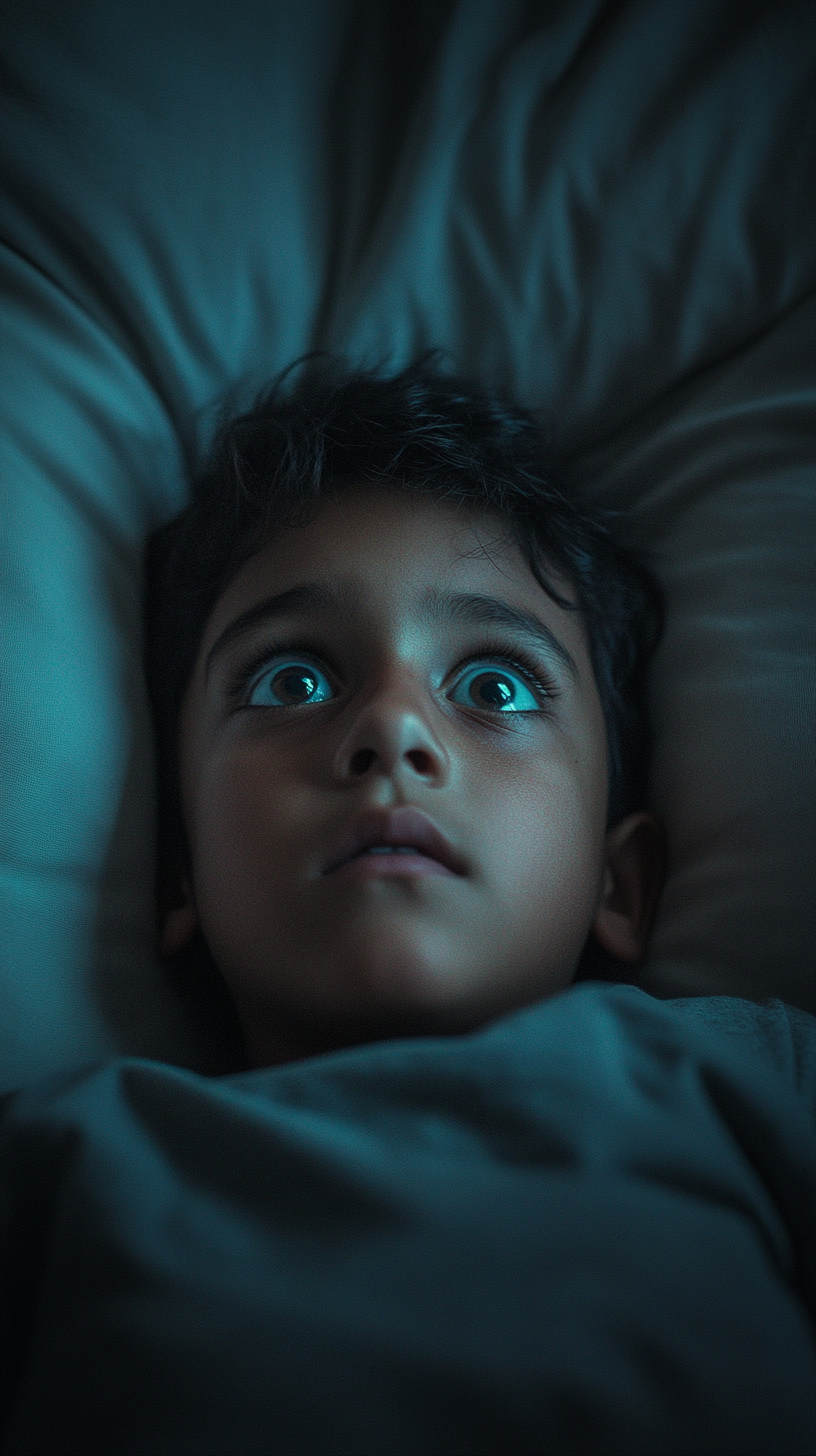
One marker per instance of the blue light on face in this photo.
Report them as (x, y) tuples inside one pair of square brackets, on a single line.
[(290, 684), (496, 690), (294, 682)]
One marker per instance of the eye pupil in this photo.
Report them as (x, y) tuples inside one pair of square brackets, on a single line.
[(494, 690), (297, 686)]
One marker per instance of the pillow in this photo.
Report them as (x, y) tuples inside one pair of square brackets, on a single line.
[(605, 211)]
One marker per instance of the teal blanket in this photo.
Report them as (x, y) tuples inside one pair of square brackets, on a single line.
[(588, 1228)]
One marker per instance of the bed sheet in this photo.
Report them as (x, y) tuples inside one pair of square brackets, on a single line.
[(588, 1229)]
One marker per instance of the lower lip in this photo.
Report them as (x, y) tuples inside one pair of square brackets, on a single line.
[(365, 866)]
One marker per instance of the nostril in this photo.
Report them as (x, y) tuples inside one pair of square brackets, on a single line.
[(419, 760), (362, 760)]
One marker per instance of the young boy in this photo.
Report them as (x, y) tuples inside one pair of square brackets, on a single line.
[(397, 675)]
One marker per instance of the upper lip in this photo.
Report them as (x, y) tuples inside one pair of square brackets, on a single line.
[(406, 825)]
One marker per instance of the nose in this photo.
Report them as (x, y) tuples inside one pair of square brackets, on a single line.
[(392, 736)]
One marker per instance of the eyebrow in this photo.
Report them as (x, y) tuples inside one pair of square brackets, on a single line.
[(440, 607)]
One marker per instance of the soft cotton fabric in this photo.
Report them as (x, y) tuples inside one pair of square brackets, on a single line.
[(589, 1228)]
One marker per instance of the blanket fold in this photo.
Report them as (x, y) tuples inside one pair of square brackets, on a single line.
[(587, 1228)]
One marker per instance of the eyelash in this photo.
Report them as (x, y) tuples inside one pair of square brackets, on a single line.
[(515, 657)]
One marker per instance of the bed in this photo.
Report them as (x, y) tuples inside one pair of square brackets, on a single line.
[(607, 211)]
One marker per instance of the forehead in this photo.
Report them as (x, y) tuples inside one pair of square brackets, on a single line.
[(389, 552)]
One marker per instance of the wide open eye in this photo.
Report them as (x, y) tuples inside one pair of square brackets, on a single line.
[(496, 690), (290, 683)]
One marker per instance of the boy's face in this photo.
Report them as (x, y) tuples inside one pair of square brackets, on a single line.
[(380, 691)]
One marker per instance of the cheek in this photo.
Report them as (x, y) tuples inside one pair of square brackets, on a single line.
[(237, 823), (248, 822), (547, 847)]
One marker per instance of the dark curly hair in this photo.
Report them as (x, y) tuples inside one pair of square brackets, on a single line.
[(322, 425)]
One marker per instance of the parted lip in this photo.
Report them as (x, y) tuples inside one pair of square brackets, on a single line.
[(405, 825)]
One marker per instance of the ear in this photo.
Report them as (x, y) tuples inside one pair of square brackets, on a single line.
[(180, 924), (633, 878)]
